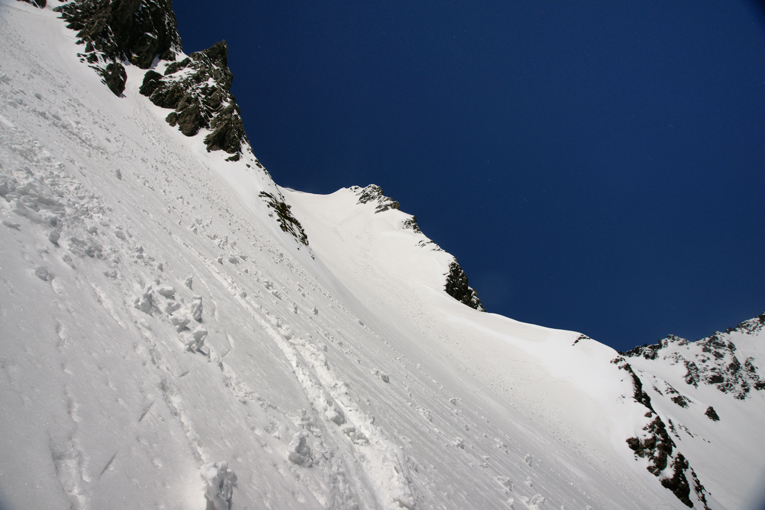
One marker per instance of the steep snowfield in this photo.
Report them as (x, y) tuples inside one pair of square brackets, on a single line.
[(164, 344)]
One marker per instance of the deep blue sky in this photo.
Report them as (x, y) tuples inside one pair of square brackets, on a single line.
[(595, 166)]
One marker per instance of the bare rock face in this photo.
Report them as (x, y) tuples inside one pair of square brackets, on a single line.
[(458, 288), (137, 31), (198, 89), (115, 78), (134, 30)]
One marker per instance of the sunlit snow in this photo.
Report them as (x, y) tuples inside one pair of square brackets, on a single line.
[(164, 344)]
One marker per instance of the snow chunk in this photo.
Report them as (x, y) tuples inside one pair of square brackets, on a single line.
[(144, 301), (536, 502), (356, 436), (506, 482), (335, 416), (42, 273), (180, 322), (219, 485), (54, 236), (11, 224), (22, 210), (197, 340), (196, 308), (166, 291), (171, 307), (298, 451)]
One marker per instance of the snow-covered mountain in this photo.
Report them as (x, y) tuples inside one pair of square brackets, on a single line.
[(177, 331)]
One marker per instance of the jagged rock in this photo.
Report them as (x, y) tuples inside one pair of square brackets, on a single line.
[(374, 193), (198, 88), (151, 81), (228, 132), (190, 120), (639, 394), (115, 77), (711, 360), (411, 224), (678, 484), (750, 326), (458, 288), (657, 446), (712, 414), (287, 221), (137, 31), (581, 337), (134, 30)]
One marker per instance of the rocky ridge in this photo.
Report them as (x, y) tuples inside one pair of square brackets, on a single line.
[(284, 216), (655, 444), (458, 288), (198, 89), (143, 33), (113, 32), (456, 284), (374, 193), (711, 360)]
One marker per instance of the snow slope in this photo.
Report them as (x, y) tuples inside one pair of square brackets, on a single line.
[(165, 344)]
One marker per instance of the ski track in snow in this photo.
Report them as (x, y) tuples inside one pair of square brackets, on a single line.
[(156, 322)]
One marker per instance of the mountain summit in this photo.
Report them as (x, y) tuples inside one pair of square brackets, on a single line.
[(178, 331)]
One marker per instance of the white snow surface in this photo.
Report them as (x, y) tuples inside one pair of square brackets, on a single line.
[(164, 344)]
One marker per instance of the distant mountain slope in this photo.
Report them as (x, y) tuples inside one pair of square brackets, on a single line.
[(699, 386), (176, 331)]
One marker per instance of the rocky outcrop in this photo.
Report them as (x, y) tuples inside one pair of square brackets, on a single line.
[(656, 445), (458, 288), (198, 90), (115, 31), (456, 280), (749, 326), (411, 224), (37, 3), (374, 193), (114, 76), (287, 221), (711, 360)]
